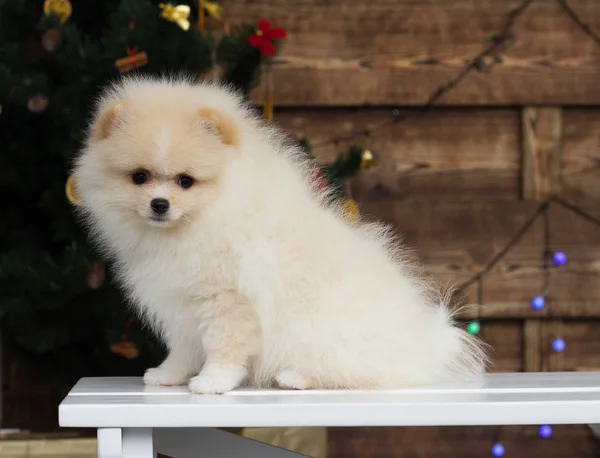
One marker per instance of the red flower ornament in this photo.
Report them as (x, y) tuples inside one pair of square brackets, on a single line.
[(264, 36)]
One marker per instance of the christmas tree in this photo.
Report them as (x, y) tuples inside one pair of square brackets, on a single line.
[(59, 308)]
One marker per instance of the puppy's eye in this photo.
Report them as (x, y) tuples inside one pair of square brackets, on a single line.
[(185, 181), (139, 178)]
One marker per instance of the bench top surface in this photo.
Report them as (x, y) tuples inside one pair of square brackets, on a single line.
[(498, 399)]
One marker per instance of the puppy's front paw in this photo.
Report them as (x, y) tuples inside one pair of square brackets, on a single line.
[(290, 380), (162, 376), (217, 379)]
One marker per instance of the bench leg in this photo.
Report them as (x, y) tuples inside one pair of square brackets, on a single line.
[(109, 443), (138, 443)]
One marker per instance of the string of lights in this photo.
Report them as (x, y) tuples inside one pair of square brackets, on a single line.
[(582, 25), (550, 259), (482, 62), (486, 59), (544, 431), (498, 257)]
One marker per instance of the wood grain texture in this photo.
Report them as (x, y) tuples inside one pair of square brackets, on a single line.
[(582, 338), (542, 132), (387, 52), (580, 158), (552, 360), (521, 310), (453, 154), (532, 337), (455, 240), (505, 339), (448, 154), (464, 442)]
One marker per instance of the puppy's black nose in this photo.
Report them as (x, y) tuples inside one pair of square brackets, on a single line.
[(159, 205)]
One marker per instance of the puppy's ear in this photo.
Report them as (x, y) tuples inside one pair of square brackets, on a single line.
[(221, 125), (106, 121)]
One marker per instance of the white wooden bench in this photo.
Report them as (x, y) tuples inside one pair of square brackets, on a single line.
[(137, 421)]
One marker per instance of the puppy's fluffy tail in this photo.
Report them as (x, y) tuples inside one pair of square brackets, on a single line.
[(468, 355)]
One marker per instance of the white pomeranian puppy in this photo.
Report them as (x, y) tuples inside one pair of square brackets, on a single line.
[(247, 272)]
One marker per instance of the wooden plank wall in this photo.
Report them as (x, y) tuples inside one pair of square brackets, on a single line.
[(459, 180)]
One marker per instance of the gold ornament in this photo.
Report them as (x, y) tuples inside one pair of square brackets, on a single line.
[(178, 14), (60, 8), (212, 8), (366, 159), (71, 192), (351, 212)]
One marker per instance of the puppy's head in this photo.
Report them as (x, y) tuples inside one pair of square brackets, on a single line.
[(157, 160)]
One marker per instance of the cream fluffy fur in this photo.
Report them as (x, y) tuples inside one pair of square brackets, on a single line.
[(253, 277)]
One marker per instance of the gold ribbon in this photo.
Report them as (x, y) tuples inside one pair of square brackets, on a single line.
[(268, 105), (268, 108), (212, 8), (178, 14)]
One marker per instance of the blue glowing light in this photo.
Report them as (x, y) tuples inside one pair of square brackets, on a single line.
[(559, 258), (497, 450), (538, 302), (558, 344), (545, 431)]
